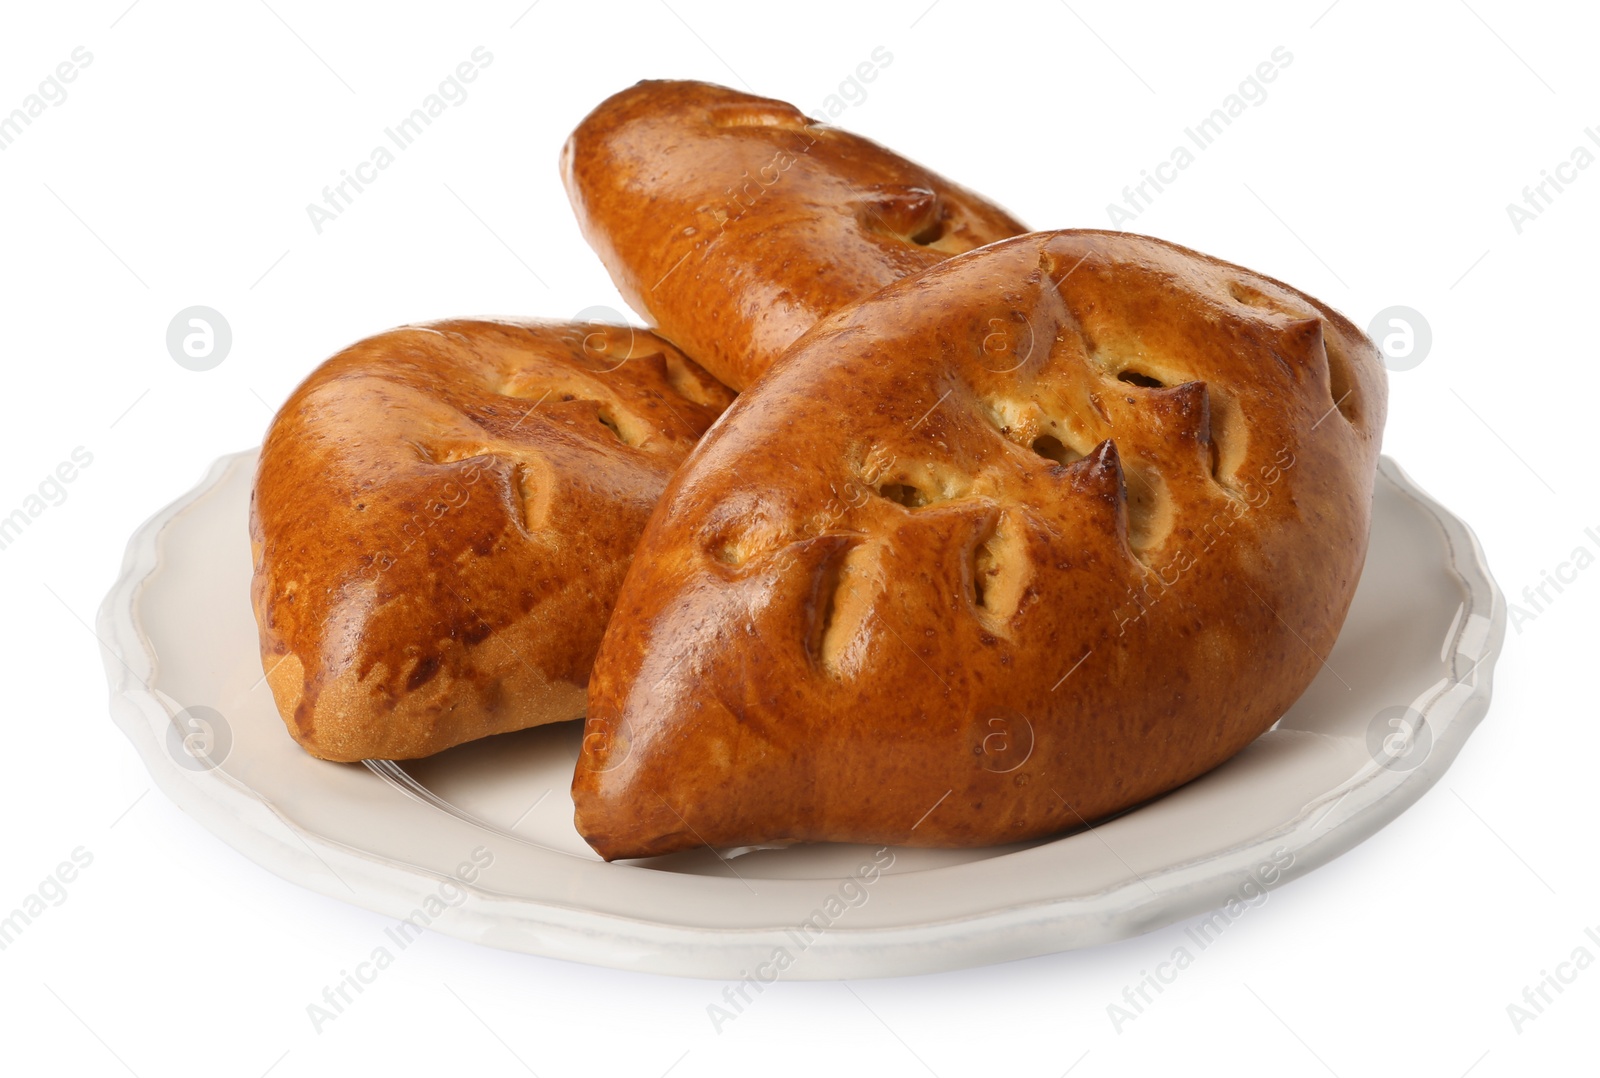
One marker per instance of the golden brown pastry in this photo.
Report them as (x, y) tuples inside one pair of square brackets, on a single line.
[(442, 515), (734, 223), (1032, 537)]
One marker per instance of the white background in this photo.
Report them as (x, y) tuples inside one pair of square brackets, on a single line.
[(1376, 172)]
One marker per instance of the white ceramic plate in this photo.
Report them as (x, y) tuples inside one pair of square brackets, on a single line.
[(478, 841)]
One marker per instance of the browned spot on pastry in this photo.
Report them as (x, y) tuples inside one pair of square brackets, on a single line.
[(1099, 474), (422, 673)]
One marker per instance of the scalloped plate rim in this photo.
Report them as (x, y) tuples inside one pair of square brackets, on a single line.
[(393, 887)]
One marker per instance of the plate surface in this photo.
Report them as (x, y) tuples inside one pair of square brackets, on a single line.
[(478, 842)]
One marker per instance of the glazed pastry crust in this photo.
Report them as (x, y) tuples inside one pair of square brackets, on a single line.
[(734, 223), (1025, 540), (441, 517)]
